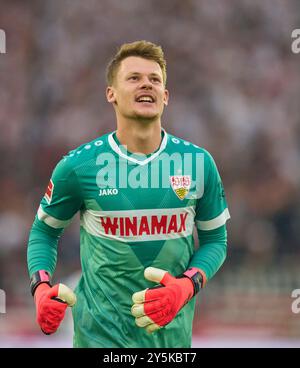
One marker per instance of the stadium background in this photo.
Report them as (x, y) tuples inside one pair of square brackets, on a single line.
[(235, 88)]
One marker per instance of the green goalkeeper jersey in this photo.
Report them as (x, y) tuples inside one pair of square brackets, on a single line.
[(135, 211)]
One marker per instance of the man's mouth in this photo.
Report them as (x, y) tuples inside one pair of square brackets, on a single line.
[(145, 99)]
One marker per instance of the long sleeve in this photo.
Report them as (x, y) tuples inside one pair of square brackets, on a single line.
[(212, 251), (42, 247), (57, 208), (210, 220)]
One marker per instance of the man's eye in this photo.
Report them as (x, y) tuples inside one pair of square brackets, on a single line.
[(156, 80), (133, 77)]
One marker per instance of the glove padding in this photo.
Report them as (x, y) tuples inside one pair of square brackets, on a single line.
[(156, 307), (51, 304)]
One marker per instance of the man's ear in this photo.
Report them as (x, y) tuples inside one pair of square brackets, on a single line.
[(166, 97), (110, 94)]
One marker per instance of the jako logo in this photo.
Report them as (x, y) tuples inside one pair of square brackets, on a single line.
[(105, 192), (296, 42), (2, 42)]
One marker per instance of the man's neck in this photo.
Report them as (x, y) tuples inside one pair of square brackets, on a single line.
[(140, 137)]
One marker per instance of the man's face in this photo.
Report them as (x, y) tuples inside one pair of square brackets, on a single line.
[(138, 91)]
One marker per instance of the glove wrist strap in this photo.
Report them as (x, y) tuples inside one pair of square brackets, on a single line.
[(38, 278), (196, 277)]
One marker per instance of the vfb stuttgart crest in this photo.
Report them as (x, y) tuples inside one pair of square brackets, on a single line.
[(181, 185)]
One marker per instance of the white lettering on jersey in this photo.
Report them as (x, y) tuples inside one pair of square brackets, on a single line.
[(106, 192), (140, 225)]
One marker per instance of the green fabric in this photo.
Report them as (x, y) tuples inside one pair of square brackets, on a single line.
[(213, 201), (125, 231), (212, 251), (42, 249)]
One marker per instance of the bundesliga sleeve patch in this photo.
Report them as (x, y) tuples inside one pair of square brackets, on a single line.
[(49, 191)]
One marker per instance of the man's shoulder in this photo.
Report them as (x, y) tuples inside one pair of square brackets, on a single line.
[(88, 150), (82, 154), (182, 145)]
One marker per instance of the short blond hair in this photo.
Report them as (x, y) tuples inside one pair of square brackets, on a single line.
[(143, 49)]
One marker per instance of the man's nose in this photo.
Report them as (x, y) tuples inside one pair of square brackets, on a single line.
[(146, 84)]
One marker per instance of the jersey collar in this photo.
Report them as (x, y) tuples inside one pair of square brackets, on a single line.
[(115, 147)]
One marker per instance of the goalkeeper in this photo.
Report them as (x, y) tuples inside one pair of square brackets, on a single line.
[(139, 191)]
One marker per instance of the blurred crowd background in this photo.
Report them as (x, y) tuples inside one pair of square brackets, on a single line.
[(235, 86)]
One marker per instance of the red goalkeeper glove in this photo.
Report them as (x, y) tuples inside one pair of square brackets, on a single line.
[(51, 302), (156, 307)]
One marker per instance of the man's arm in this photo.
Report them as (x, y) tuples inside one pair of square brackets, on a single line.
[(60, 203), (211, 253), (210, 220), (42, 247)]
